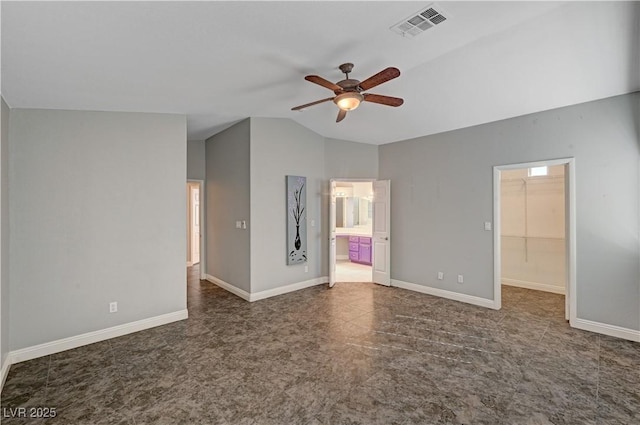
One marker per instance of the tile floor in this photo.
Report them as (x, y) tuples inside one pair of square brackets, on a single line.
[(346, 271), (354, 354)]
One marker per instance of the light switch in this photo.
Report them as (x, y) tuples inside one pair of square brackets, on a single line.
[(238, 225), (313, 223), (487, 225)]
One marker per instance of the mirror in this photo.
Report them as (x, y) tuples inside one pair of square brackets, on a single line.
[(354, 207), (353, 212)]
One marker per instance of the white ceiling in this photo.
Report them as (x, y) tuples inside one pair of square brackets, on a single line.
[(219, 62)]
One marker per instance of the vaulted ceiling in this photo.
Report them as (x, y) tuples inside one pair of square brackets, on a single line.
[(219, 62)]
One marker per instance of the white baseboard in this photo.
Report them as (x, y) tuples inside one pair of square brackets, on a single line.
[(64, 344), (605, 329), (534, 285), (6, 365), (469, 299), (228, 287), (342, 257), (255, 296), (287, 288)]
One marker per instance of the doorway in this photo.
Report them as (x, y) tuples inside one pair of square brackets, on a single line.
[(359, 224), (194, 231), (354, 226), (534, 230)]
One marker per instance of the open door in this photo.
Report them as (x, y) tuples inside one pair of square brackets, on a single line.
[(381, 232), (332, 234)]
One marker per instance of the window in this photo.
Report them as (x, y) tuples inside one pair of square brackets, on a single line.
[(538, 171)]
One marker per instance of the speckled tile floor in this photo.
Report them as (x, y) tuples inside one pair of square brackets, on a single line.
[(355, 354)]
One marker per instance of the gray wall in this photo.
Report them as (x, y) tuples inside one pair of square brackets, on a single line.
[(350, 160), (347, 160), (4, 233), (96, 215), (196, 164), (281, 147), (442, 193), (227, 201)]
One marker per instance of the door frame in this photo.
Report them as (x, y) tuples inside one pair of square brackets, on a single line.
[(332, 259), (570, 231), (203, 223)]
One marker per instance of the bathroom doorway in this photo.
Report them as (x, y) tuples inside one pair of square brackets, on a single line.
[(354, 230)]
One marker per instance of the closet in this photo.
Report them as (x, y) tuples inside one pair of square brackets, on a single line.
[(533, 228)]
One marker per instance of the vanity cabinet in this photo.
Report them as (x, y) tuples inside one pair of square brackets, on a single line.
[(360, 249)]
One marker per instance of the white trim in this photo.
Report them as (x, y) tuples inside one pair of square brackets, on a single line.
[(5, 371), (342, 257), (64, 344), (570, 229), (603, 328), (534, 285), (497, 242), (228, 287), (456, 296), (255, 296), (572, 295)]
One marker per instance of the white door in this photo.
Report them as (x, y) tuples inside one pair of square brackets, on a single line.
[(332, 234), (381, 232)]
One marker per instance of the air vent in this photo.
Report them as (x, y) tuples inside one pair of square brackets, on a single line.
[(421, 21)]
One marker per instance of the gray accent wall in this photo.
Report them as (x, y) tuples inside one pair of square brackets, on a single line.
[(97, 214), (227, 201), (196, 164), (281, 147), (4, 233), (442, 193)]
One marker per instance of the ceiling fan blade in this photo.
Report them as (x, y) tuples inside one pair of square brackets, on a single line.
[(322, 82), (341, 114), (383, 100), (306, 105), (381, 77)]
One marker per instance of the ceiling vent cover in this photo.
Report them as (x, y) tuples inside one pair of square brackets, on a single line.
[(421, 21)]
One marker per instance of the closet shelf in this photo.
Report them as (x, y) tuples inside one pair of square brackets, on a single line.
[(533, 237), (534, 179)]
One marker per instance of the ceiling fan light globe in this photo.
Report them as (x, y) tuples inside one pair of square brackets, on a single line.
[(348, 101)]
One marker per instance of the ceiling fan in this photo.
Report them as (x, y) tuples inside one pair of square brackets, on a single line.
[(349, 92)]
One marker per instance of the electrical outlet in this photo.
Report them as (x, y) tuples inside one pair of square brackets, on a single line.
[(440, 275), (113, 307), (306, 269), (460, 278)]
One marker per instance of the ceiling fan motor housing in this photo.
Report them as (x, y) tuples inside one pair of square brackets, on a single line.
[(348, 85)]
